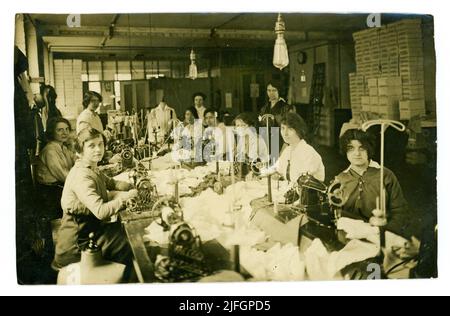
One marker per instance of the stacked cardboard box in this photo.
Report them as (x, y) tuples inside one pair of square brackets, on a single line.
[(383, 97), (365, 104), (411, 108), (390, 92), (410, 44), (367, 51), (372, 85), (393, 54), (357, 90)]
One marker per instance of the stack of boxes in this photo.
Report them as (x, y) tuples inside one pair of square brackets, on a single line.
[(411, 108), (389, 61), (383, 98), (358, 89), (389, 95), (411, 68)]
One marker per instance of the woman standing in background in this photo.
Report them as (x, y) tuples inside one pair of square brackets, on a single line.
[(276, 106)]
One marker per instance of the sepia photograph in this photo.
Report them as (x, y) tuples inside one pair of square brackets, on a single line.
[(193, 147)]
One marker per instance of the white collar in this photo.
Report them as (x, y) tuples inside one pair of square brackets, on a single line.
[(301, 143), (372, 164), (160, 106)]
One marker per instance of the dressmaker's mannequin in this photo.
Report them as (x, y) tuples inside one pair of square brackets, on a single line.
[(92, 269)]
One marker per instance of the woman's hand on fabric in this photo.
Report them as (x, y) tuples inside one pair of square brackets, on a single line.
[(409, 250)]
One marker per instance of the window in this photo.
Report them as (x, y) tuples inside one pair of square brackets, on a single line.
[(117, 93), (109, 70), (137, 69), (95, 86), (84, 74), (95, 70)]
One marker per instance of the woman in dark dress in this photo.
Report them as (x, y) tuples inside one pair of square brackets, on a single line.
[(278, 107)]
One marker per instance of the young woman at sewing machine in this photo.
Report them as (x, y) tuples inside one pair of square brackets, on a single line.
[(215, 130), (87, 207), (90, 118), (250, 145), (298, 157), (361, 183), (190, 115), (55, 162)]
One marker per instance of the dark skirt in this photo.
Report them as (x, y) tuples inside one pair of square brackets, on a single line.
[(110, 237), (50, 201)]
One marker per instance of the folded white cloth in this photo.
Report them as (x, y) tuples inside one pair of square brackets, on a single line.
[(321, 265), (279, 263), (358, 229)]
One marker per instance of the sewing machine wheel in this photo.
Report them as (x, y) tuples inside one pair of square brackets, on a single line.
[(170, 216), (182, 234), (256, 166), (127, 154), (336, 195), (132, 205), (144, 184)]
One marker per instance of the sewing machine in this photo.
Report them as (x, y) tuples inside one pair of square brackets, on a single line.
[(142, 206), (321, 203), (185, 260)]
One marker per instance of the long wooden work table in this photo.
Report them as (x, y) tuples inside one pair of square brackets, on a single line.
[(282, 227)]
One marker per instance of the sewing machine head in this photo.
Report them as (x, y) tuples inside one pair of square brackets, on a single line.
[(319, 201), (185, 259)]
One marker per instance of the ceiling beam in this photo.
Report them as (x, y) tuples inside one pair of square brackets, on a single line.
[(185, 33)]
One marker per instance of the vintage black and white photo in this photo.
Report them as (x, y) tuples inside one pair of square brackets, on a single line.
[(224, 147)]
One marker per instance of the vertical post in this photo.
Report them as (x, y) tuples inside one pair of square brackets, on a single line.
[(235, 258), (382, 192), (177, 195), (269, 178), (269, 187)]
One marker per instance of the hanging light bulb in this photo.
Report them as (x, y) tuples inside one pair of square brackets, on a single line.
[(280, 51), (192, 66)]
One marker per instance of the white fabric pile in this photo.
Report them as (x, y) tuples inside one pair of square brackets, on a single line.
[(154, 233), (279, 263), (322, 265), (358, 229)]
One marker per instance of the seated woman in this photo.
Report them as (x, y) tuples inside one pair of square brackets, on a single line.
[(55, 162), (214, 135), (250, 145), (361, 183), (298, 157), (186, 131), (190, 115), (87, 208)]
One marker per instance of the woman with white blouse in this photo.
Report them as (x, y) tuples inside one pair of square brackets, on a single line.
[(55, 162), (298, 157)]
